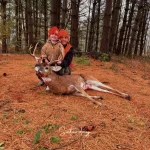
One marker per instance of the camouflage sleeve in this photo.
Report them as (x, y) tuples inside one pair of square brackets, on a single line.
[(43, 51), (62, 52)]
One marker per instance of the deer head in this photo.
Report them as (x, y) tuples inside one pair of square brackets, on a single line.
[(43, 66)]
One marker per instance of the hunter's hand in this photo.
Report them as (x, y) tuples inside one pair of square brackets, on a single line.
[(59, 62)]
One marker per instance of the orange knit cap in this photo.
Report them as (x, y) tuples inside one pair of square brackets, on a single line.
[(53, 30), (62, 33)]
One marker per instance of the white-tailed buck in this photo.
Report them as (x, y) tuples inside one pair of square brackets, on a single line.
[(74, 84)]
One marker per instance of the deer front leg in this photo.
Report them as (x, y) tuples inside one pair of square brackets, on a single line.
[(95, 84)]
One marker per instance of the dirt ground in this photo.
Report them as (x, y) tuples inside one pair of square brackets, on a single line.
[(33, 119)]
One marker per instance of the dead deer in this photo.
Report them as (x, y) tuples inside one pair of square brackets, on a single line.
[(74, 84)]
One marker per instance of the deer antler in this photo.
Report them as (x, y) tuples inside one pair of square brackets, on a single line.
[(33, 54)]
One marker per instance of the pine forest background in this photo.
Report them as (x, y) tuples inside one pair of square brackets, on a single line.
[(118, 27)]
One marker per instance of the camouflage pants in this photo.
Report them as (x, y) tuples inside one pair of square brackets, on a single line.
[(64, 71)]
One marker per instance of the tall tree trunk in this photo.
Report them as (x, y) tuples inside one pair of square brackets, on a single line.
[(17, 20), (3, 14), (91, 34), (45, 20), (55, 12), (87, 30), (116, 36), (26, 24), (20, 26), (106, 27), (74, 23), (138, 38), (64, 12), (144, 30), (135, 28), (122, 30), (36, 20), (30, 22), (128, 29), (114, 23), (97, 26)]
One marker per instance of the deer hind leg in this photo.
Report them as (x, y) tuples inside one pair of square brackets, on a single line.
[(81, 92), (95, 84)]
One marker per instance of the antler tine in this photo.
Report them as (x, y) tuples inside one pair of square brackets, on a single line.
[(35, 48), (30, 50), (49, 63), (33, 54)]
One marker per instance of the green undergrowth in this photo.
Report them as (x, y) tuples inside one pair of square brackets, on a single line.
[(82, 61)]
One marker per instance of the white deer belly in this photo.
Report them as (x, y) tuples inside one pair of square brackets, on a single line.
[(86, 86)]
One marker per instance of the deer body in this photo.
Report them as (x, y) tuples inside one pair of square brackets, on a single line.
[(76, 84), (64, 84)]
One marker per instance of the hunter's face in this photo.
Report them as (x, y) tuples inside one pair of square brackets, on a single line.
[(64, 40), (54, 37)]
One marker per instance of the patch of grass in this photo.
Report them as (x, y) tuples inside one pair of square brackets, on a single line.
[(15, 120), (21, 131), (74, 117), (43, 148), (5, 116), (56, 126), (46, 103), (137, 121), (49, 127), (27, 122), (22, 117), (55, 139), (37, 137), (82, 61), (105, 57), (28, 129)]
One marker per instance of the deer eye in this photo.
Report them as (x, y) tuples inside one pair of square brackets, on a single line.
[(46, 69)]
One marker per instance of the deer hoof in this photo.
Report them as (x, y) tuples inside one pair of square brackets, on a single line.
[(128, 97)]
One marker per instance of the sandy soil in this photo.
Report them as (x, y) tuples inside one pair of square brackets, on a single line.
[(33, 119)]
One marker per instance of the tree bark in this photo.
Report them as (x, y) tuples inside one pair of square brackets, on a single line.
[(135, 28), (87, 30), (64, 12), (91, 34), (106, 27), (3, 15), (128, 29), (144, 30), (45, 20), (30, 22), (97, 26), (55, 12), (114, 23), (122, 30), (74, 23)]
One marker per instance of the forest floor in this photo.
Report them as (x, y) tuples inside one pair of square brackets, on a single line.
[(33, 119)]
